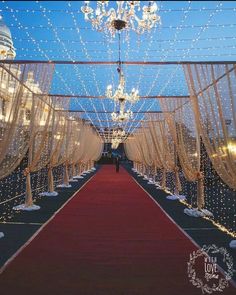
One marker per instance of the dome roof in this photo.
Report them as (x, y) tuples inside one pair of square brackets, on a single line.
[(4, 29), (7, 50)]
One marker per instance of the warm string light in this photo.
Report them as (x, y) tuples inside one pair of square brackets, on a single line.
[(110, 53), (180, 40), (135, 50), (204, 28), (67, 11), (217, 26), (146, 56), (70, 58), (43, 53), (88, 58), (141, 71), (192, 57), (222, 228), (13, 186), (187, 52), (170, 45)]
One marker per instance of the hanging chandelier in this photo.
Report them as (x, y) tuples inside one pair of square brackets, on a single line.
[(118, 137), (128, 15), (120, 94), (115, 143), (118, 133), (121, 116)]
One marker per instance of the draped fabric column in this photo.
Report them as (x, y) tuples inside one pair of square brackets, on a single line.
[(84, 145), (57, 139), (38, 155), (185, 132), (212, 89), (39, 117), (12, 118), (16, 102), (131, 150), (78, 133), (68, 148), (138, 140), (146, 150), (163, 145), (98, 152), (90, 148), (78, 155)]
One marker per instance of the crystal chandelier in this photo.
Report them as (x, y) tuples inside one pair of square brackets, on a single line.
[(117, 138), (120, 94), (128, 15), (121, 116), (118, 133), (115, 143)]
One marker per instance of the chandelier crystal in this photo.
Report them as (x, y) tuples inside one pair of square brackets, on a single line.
[(115, 143), (118, 136), (120, 94), (118, 133), (129, 15), (122, 116)]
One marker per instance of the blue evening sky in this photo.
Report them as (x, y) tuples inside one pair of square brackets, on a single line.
[(56, 30)]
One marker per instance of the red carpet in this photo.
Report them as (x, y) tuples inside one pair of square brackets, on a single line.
[(111, 238)]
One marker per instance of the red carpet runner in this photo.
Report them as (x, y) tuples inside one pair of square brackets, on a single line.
[(111, 238)]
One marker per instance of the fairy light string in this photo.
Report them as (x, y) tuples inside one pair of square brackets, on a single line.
[(170, 46), (85, 51), (70, 58), (201, 31)]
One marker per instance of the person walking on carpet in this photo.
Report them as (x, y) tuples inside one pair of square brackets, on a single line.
[(117, 162)]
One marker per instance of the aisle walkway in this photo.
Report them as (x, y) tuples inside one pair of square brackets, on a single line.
[(111, 238)]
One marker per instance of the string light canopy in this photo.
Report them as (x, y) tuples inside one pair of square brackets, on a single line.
[(125, 17)]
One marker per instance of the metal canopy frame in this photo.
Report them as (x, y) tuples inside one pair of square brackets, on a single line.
[(101, 63), (71, 62)]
